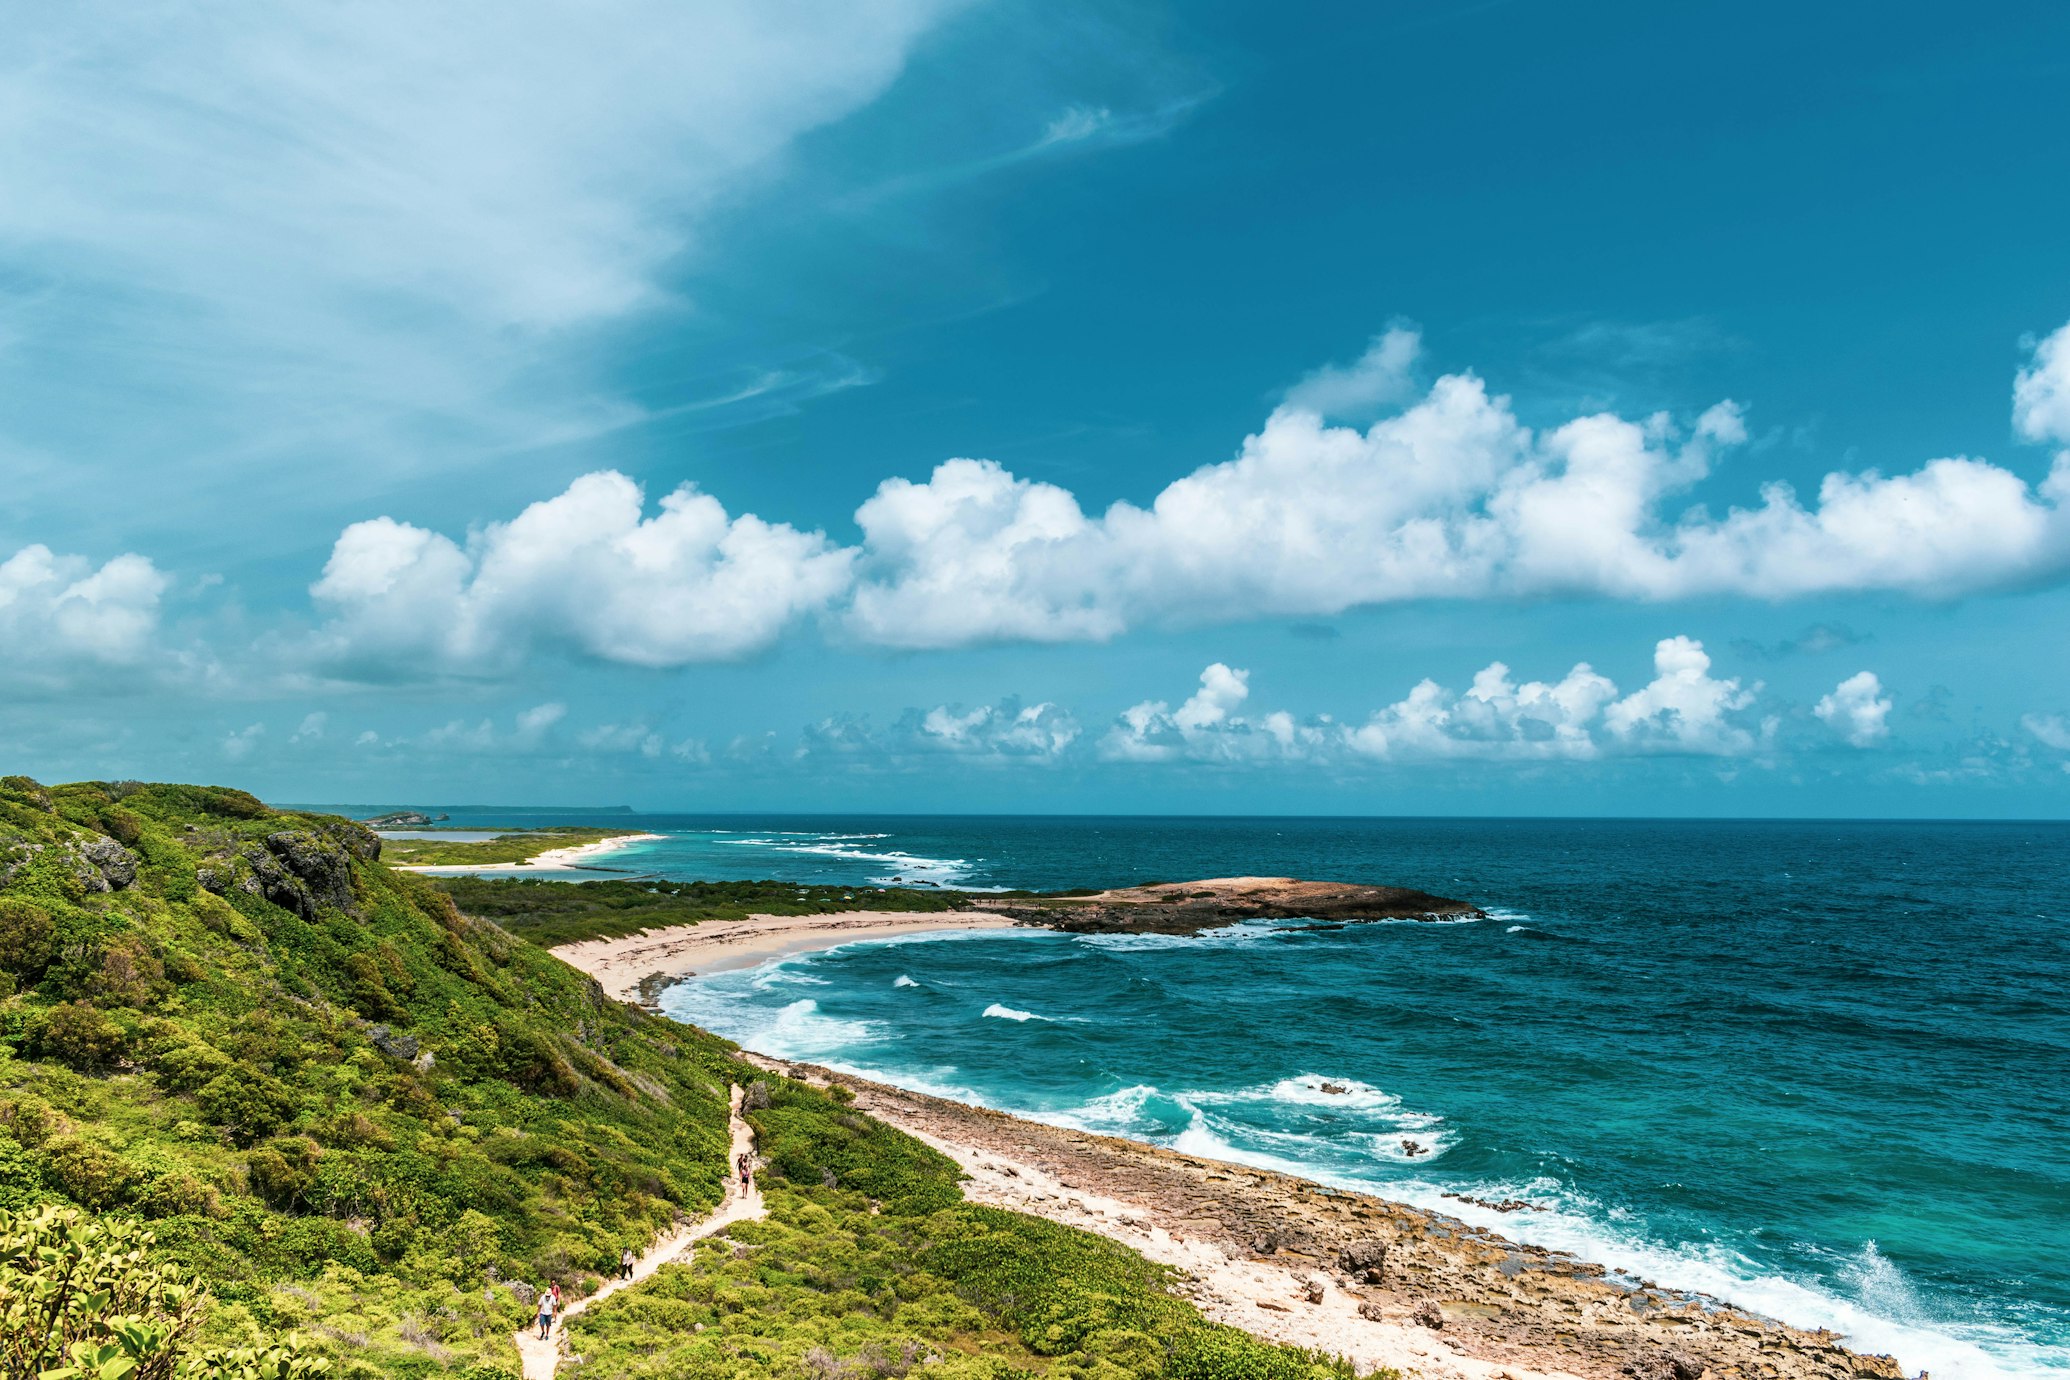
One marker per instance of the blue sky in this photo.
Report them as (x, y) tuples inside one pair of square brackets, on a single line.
[(1450, 408)]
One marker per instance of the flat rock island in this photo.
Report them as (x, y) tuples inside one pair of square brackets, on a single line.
[(1192, 907)]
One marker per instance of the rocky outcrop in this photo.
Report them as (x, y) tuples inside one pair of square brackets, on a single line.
[(302, 870), (1490, 1298), (98, 864), (1191, 907)]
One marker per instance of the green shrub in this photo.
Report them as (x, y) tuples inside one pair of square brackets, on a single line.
[(89, 1174), (246, 1103), (80, 1035), (82, 1299), (28, 939)]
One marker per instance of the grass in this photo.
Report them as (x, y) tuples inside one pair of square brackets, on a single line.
[(557, 912), (517, 846)]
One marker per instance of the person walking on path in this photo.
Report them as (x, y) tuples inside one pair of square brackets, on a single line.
[(625, 1263), (747, 1173), (548, 1307)]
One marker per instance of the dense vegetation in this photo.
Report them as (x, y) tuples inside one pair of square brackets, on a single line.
[(339, 1100), (236, 1049), (514, 846), (550, 912), (872, 1265)]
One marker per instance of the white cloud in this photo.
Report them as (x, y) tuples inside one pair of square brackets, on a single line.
[(1207, 727), (238, 744), (1382, 376), (2041, 392), (1684, 709), (1449, 497), (1076, 123), (1857, 709), (340, 222), (1578, 718), (587, 570), (64, 611), (1007, 729), (2050, 730), (1496, 719), (311, 729)]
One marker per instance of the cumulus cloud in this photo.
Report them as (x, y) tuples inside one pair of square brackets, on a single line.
[(60, 611), (1580, 717), (1684, 708), (1857, 709), (587, 570), (2041, 392), (639, 739), (1008, 729), (1450, 496), (1495, 719), (1383, 375), (311, 729), (1208, 727)]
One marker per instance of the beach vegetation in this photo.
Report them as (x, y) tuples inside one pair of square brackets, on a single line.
[(552, 912)]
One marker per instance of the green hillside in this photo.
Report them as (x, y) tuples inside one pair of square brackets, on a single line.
[(357, 1114), (340, 1101)]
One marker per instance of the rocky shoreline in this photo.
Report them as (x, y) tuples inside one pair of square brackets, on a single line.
[(1374, 1279), (1185, 908)]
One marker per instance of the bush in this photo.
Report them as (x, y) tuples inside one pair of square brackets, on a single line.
[(90, 1174), (77, 1034), (246, 1103), (28, 939), (81, 1297)]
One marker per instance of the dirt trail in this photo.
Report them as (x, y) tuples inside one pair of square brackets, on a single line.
[(541, 1357)]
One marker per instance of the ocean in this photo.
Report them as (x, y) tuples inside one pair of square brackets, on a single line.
[(1819, 1069)]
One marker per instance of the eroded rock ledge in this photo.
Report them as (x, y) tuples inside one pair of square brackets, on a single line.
[(1191, 907), (1506, 1304)]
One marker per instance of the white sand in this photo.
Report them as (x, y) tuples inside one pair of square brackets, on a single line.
[(1264, 1299), (718, 946), (570, 859)]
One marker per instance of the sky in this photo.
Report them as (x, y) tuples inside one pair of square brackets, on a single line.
[(1464, 407)]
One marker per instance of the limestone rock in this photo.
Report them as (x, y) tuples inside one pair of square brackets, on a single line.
[(1428, 1314), (1364, 1261)]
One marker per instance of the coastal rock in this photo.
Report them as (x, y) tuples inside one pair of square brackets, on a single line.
[(1185, 908), (1428, 1314), (1372, 1312), (1666, 1365), (1364, 1261)]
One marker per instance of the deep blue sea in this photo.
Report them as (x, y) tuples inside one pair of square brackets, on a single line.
[(1819, 1069)]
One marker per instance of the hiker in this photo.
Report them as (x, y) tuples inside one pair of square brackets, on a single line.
[(548, 1306), (747, 1173), (625, 1263), (556, 1296)]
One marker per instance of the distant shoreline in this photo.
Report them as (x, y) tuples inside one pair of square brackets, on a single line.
[(624, 964), (569, 859)]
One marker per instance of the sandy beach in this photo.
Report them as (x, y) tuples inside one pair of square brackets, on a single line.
[(718, 946), (572, 859), (1282, 1257)]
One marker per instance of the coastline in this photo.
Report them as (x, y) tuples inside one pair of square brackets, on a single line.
[(625, 965), (569, 859), (1282, 1257)]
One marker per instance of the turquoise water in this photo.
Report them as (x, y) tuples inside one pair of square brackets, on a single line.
[(1822, 1070)]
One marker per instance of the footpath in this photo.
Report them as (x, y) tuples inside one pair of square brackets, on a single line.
[(739, 1205)]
